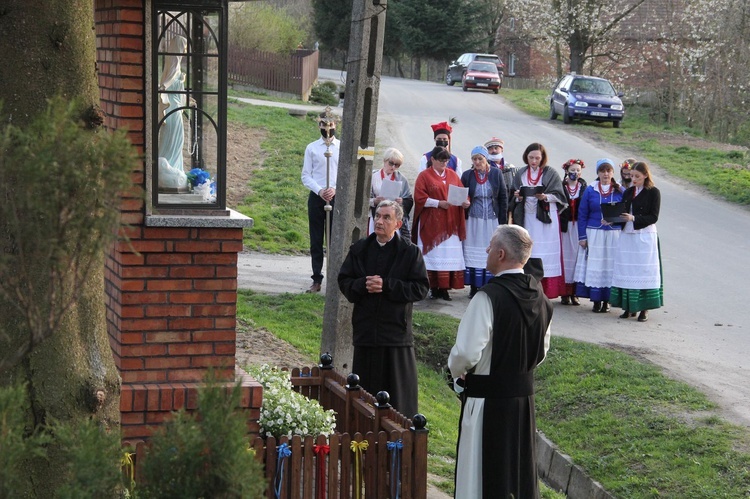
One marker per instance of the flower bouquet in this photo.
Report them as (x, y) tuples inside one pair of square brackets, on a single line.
[(286, 412), (201, 183), (198, 176)]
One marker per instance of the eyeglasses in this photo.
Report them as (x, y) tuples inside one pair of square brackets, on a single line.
[(394, 164)]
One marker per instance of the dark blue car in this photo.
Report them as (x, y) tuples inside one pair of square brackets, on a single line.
[(577, 97)]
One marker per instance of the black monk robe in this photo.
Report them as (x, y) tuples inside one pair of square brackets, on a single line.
[(502, 338)]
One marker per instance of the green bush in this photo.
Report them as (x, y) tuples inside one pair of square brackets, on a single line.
[(330, 86), (92, 457), (256, 26), (205, 453), (16, 446), (322, 94)]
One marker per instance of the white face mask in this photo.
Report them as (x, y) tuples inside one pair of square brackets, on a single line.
[(495, 157)]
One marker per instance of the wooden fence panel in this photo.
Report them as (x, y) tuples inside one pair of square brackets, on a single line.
[(293, 73), (308, 472), (334, 457)]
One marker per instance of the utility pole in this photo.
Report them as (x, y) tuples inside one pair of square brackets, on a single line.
[(364, 63)]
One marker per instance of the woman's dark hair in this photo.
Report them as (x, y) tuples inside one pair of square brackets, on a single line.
[(536, 146), (440, 152), (643, 168), (608, 166)]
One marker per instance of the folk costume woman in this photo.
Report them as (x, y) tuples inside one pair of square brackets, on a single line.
[(537, 213), (574, 186), (637, 284), (442, 132), (439, 227), (598, 238), (392, 161), (625, 173), (489, 208)]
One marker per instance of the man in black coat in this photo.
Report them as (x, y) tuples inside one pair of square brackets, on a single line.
[(382, 276)]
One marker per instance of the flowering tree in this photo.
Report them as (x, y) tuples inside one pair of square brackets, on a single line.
[(584, 26)]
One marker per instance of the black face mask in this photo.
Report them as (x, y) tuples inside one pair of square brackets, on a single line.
[(626, 180), (441, 143), (326, 134), (573, 176)]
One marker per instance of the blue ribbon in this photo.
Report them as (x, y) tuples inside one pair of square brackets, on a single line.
[(395, 448), (282, 452)]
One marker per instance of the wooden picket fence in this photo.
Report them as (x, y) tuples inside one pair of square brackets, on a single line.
[(392, 463), (376, 452), (293, 73)]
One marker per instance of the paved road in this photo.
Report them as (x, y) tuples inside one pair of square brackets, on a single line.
[(701, 334)]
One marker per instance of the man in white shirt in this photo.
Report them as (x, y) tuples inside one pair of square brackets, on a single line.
[(319, 176)]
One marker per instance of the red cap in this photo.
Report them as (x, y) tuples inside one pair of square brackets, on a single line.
[(442, 127)]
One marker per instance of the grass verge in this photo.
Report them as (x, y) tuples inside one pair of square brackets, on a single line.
[(722, 171), (277, 201), (631, 428)]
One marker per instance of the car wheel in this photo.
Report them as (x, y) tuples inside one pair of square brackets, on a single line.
[(616, 124), (449, 78), (552, 113), (566, 116), (464, 88), (496, 90)]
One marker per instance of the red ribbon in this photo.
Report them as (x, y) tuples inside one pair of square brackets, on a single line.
[(321, 451)]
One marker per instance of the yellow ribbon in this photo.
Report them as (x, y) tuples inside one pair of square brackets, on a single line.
[(129, 464), (358, 448)]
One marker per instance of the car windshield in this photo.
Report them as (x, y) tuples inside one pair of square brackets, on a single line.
[(486, 67), (599, 87), (491, 58)]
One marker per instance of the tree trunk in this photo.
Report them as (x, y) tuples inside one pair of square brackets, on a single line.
[(578, 43), (48, 47)]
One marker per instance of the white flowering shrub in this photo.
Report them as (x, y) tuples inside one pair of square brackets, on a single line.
[(286, 412)]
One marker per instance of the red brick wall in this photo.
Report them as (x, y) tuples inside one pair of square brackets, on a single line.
[(172, 304), (171, 292)]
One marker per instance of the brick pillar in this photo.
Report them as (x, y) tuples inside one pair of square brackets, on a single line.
[(171, 290)]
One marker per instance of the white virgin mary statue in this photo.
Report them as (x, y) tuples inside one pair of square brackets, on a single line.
[(172, 133)]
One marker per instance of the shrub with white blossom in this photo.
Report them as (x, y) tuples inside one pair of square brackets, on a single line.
[(286, 412)]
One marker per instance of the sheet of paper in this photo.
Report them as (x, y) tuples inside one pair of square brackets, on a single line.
[(391, 189), (457, 195)]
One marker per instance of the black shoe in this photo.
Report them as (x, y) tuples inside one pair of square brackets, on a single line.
[(444, 295), (565, 300), (434, 293), (643, 316), (574, 300), (597, 307), (472, 292), (605, 307), (625, 315)]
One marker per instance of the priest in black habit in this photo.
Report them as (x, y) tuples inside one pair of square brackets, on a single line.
[(382, 276), (503, 336)]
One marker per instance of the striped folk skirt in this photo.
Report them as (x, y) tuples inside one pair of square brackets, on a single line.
[(637, 283)]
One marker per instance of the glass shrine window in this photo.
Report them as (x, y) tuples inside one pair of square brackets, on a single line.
[(189, 104)]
